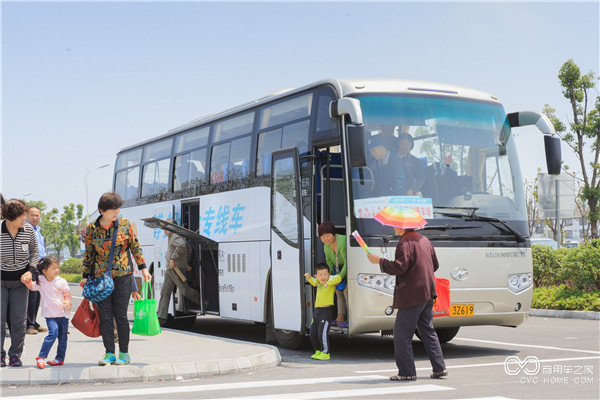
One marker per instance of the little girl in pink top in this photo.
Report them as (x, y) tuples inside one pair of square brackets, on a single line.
[(56, 308)]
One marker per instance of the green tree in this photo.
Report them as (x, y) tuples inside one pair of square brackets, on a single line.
[(584, 130), (60, 230)]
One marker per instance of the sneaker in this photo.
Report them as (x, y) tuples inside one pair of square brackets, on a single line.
[(55, 362), (32, 331), (41, 362), (316, 355), (109, 358), (15, 361), (123, 359), (334, 322), (343, 324), (322, 356)]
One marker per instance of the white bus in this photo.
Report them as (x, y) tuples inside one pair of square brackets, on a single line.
[(250, 185)]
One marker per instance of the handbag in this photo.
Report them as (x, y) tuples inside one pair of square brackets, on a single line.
[(145, 319), (441, 305), (98, 289), (86, 319)]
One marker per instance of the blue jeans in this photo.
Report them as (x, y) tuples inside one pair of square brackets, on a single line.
[(57, 328)]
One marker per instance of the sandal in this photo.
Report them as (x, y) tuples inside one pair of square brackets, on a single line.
[(438, 375), (403, 378)]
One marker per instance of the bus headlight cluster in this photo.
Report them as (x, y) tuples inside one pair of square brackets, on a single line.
[(519, 282), (379, 282)]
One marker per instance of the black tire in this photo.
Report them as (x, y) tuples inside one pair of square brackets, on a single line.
[(444, 334)]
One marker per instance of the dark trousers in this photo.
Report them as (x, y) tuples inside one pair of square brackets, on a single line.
[(32, 309), (319, 329), (115, 307), (407, 319)]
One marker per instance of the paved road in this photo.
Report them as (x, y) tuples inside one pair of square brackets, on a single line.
[(567, 353)]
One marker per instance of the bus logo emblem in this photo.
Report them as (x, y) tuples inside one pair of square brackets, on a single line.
[(459, 274)]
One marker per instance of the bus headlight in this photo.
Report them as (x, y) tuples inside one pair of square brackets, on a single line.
[(379, 282), (519, 282)]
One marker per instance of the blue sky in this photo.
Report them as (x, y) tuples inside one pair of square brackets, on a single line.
[(82, 80)]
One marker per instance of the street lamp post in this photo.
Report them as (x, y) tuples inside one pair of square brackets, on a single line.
[(87, 213)]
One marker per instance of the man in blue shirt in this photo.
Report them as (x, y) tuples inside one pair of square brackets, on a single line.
[(387, 169), (33, 217)]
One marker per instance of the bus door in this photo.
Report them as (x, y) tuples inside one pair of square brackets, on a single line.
[(163, 212), (287, 253)]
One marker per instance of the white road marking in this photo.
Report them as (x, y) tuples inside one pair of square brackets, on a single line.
[(201, 388), (380, 371), (343, 394), (528, 345)]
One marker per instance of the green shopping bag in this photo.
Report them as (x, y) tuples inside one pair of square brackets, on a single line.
[(145, 319)]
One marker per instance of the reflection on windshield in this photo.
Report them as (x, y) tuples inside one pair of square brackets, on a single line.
[(441, 152)]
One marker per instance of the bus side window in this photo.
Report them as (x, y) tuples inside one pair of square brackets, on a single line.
[(268, 142)]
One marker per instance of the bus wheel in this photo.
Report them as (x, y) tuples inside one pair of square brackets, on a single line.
[(444, 334), (288, 339)]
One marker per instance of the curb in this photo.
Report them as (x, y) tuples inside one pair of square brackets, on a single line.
[(129, 373), (566, 314)]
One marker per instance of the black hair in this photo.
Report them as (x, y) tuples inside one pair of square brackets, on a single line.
[(321, 266), (326, 227), (44, 263), (109, 201), (407, 136)]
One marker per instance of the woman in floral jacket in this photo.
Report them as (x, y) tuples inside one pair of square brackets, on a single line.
[(98, 241)]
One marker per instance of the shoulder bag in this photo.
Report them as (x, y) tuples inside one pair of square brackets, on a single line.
[(98, 289)]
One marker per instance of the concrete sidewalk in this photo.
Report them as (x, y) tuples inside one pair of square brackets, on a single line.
[(171, 355)]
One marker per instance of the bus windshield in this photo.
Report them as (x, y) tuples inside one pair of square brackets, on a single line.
[(442, 156)]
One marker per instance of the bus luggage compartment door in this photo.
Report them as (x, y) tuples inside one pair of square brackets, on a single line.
[(287, 280)]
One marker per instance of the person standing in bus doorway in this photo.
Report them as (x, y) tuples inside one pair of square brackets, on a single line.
[(323, 311), (387, 169), (334, 246), (178, 259), (33, 217), (413, 169), (98, 242), (414, 265)]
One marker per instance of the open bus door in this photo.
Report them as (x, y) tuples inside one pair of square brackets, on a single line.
[(287, 250)]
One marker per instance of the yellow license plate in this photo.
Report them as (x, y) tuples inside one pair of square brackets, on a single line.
[(462, 310)]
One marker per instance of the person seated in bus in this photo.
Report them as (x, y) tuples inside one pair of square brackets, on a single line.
[(218, 175), (334, 246), (387, 169), (323, 312), (178, 258), (413, 169)]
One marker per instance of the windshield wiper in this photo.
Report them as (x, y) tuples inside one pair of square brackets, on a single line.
[(447, 227), (474, 217)]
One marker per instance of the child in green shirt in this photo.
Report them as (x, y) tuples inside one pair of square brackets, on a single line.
[(323, 313)]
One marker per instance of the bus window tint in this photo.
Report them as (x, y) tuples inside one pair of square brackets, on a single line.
[(296, 135), (126, 183), (128, 159), (280, 113), (239, 158), (268, 142), (189, 168), (157, 150), (219, 162), (234, 127), (327, 127), (191, 140), (156, 177)]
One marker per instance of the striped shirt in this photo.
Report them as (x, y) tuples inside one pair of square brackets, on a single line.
[(18, 254)]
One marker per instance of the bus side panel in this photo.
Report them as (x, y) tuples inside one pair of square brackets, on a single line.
[(258, 283), (234, 278)]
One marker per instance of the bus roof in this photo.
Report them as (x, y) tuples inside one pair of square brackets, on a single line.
[(344, 88)]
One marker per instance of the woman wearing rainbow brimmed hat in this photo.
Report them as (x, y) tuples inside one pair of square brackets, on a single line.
[(414, 264)]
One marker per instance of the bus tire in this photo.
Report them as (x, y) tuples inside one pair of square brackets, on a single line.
[(444, 334)]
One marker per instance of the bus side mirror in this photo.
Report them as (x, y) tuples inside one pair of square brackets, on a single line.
[(553, 154), (357, 149)]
